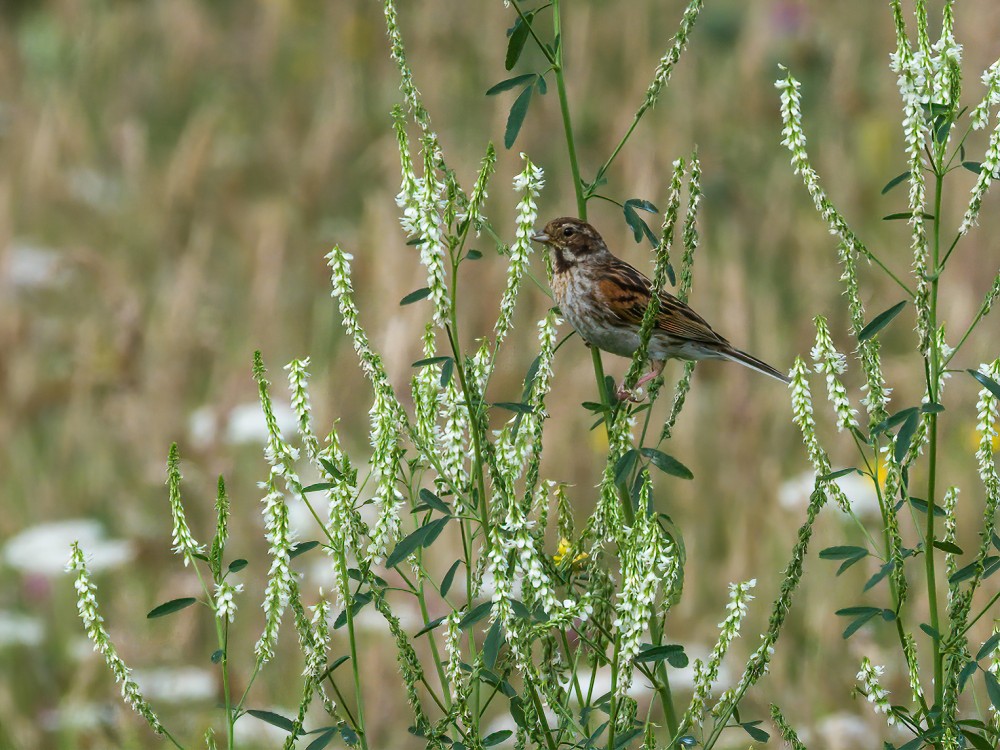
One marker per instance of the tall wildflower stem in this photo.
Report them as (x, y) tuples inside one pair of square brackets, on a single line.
[(933, 380), (558, 67)]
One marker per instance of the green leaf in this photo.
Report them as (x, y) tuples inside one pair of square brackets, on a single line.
[(977, 740), (860, 610), (949, 547), (964, 574), (882, 573), (993, 689), (473, 255), (930, 631), (217, 655), (167, 608), (931, 408), (349, 735), (967, 671), (476, 614), (751, 728), (517, 408), (880, 321), (518, 36), (323, 740), (492, 644), (318, 487), (237, 565), (842, 553), (276, 720), (989, 647), (412, 297), (671, 653), (636, 222), (434, 529), (516, 117), (496, 738), (433, 500), (895, 181), (446, 372), (509, 84), (301, 548), (921, 505), (625, 464), (449, 577), (838, 474), (430, 361), (905, 436), (976, 167), (429, 626), (667, 464), (986, 381), (409, 544), (857, 623), (905, 215), (359, 602)]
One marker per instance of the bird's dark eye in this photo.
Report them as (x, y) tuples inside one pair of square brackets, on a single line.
[(568, 232)]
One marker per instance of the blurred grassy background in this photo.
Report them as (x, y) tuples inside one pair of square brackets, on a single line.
[(173, 173)]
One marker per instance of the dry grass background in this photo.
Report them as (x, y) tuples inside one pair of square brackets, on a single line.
[(187, 165)]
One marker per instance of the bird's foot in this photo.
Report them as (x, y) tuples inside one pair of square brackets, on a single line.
[(635, 395)]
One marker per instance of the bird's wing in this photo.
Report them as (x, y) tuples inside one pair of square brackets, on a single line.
[(627, 293)]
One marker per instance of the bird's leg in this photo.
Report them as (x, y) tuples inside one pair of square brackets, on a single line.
[(655, 372)]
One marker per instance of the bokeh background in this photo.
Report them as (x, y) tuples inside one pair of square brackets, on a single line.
[(171, 175)]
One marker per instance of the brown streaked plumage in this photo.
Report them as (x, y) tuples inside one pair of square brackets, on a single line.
[(604, 299)]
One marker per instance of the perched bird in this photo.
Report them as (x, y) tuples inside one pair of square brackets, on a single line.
[(604, 299)]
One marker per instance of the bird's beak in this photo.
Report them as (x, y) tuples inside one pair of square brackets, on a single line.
[(541, 237)]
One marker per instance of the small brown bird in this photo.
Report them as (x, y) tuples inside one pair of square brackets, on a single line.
[(604, 299)]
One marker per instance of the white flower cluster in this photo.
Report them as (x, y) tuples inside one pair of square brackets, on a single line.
[(93, 623), (529, 183), (225, 602), (666, 65), (184, 543), (910, 652), (949, 504), (384, 439), (706, 673), (341, 531), (828, 360), (279, 577), (649, 565), (877, 695), (453, 648), (988, 412), (979, 118), (298, 384), (802, 415)]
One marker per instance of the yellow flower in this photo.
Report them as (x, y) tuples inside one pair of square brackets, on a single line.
[(563, 550)]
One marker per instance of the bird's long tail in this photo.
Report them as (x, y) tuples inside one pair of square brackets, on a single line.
[(735, 355)]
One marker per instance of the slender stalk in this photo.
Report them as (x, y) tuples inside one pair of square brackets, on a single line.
[(352, 640), (934, 369), (558, 68)]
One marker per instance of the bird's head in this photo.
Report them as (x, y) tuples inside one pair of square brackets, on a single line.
[(571, 240)]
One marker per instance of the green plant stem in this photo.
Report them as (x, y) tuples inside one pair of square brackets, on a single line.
[(663, 688), (352, 640), (558, 68), (933, 371)]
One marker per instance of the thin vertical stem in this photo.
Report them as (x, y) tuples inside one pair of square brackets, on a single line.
[(581, 200), (933, 371)]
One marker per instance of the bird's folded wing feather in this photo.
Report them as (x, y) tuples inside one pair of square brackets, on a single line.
[(626, 292)]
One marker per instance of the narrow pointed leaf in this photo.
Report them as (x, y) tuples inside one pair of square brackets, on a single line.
[(905, 436), (516, 117), (895, 181), (509, 84), (989, 383), (667, 464), (167, 608), (515, 46), (412, 297), (881, 321), (275, 720)]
